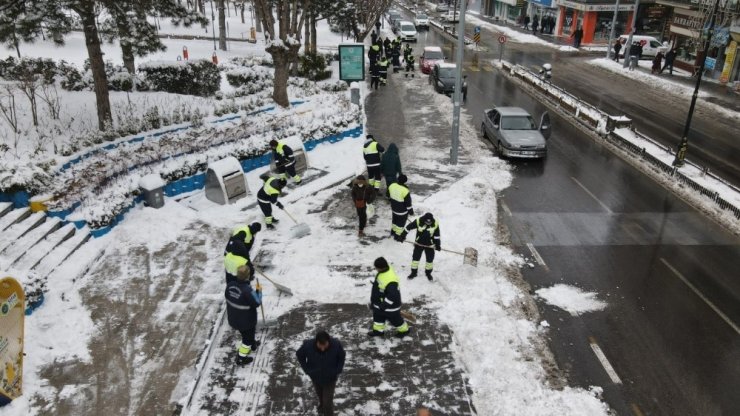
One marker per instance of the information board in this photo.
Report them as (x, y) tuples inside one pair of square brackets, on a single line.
[(352, 62)]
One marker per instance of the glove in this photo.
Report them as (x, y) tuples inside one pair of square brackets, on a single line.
[(411, 212), (438, 247), (279, 205), (258, 287), (402, 237)]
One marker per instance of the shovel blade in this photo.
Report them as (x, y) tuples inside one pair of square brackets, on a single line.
[(283, 289), (300, 230), (471, 256)]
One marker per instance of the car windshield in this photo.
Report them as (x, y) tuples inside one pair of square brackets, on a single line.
[(421, 16), (446, 72), (433, 55), (408, 28), (517, 123)]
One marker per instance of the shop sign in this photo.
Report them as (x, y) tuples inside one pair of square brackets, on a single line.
[(709, 63), (596, 7), (688, 22), (729, 61), (546, 3)]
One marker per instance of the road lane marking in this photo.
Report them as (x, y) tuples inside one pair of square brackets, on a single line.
[(473, 68), (636, 410), (603, 205), (604, 362), (487, 68), (506, 209), (537, 256), (701, 296)]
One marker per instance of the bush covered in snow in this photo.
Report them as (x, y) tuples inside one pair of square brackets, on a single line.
[(313, 67), (199, 77)]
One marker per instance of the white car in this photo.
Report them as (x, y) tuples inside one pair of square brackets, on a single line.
[(650, 45), (407, 31), (450, 17), (421, 20)]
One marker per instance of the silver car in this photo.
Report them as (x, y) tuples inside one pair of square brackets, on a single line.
[(514, 133)]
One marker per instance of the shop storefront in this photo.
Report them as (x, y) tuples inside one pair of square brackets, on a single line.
[(653, 20), (594, 19), (501, 9), (731, 69), (543, 9), (684, 36)]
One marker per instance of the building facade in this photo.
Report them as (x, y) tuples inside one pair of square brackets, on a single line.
[(594, 18)]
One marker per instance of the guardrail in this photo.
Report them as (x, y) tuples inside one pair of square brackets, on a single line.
[(606, 125)]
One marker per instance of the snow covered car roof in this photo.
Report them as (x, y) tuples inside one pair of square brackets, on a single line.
[(447, 65), (432, 49), (512, 111)]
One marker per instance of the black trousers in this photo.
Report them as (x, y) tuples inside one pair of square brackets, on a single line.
[(375, 81), (394, 318), (267, 210), (373, 174), (248, 336), (362, 214), (416, 256), (399, 222), (290, 169), (325, 393)]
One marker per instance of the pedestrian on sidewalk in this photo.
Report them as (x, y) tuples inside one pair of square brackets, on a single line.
[(401, 206), (617, 47), (526, 22), (385, 301), (371, 152), (373, 37), (427, 241), (240, 244), (387, 47), (669, 57), (390, 166), (657, 62), (577, 36), (552, 24), (377, 27), (535, 24), (322, 359), (241, 310), (267, 196), (374, 75), (373, 54), (410, 61), (363, 196), (284, 160), (383, 70), (634, 55), (396, 55)]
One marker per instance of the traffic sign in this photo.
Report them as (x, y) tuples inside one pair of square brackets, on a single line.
[(476, 38), (502, 39), (477, 29)]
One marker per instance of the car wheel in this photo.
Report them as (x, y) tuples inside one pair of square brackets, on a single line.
[(483, 130), (499, 150)]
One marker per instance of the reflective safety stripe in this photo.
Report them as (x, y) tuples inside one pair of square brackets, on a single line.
[(232, 262), (429, 266), (240, 307), (401, 213), (268, 220), (398, 192), (420, 228), (247, 231), (263, 201), (244, 350), (379, 326), (372, 165), (414, 265), (269, 190), (394, 309), (403, 328), (388, 301), (386, 278), (396, 229)]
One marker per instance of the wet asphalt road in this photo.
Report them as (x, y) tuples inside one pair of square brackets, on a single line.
[(668, 273)]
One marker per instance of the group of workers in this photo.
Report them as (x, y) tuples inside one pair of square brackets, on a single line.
[(379, 54)]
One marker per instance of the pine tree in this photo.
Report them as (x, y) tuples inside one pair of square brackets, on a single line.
[(27, 20)]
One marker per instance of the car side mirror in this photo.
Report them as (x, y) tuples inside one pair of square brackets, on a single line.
[(495, 126)]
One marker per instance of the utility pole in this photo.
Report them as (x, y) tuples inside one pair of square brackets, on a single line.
[(458, 85), (611, 32), (683, 146), (213, 25), (626, 62)]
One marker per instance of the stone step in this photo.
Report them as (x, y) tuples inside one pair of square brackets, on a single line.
[(28, 242), (12, 217), (62, 252), (45, 246), (21, 228)]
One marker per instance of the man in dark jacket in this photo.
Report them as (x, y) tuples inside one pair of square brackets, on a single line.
[(284, 160), (374, 75), (401, 206), (387, 47), (617, 48), (577, 36), (237, 250), (385, 301), (427, 240), (371, 151), (241, 310), (374, 53), (362, 196), (396, 55), (669, 57), (322, 359), (268, 195), (383, 70), (391, 165)]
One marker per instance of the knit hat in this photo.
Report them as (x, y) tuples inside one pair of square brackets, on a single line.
[(427, 218), (255, 227), (402, 179), (273, 143), (381, 264)]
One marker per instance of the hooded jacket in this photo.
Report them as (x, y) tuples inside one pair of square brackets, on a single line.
[(391, 164), (362, 193)]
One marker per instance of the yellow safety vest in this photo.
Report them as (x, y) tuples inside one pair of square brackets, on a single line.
[(269, 190), (247, 231), (421, 228), (279, 149), (386, 278), (233, 262), (398, 192), (371, 148)]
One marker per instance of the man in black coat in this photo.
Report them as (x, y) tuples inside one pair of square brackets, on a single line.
[(241, 310), (669, 57), (322, 359)]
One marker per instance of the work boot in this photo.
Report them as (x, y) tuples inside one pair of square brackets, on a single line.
[(256, 345), (270, 227), (275, 220), (243, 360), (413, 274), (403, 334), (429, 275), (375, 333), (360, 233)]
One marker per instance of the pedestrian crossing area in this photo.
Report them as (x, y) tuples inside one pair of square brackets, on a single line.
[(469, 66)]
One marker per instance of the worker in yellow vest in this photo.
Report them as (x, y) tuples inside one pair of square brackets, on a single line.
[(385, 301)]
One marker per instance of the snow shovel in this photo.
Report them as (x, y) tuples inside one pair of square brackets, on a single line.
[(408, 316), (278, 286), (262, 306), (470, 255), (299, 230)]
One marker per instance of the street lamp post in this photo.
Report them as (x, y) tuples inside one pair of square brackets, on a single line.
[(633, 29), (611, 32), (458, 85), (683, 146), (213, 26)]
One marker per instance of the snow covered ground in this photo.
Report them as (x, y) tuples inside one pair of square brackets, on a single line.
[(572, 299)]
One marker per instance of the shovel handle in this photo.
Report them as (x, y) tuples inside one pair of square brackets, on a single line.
[(262, 307), (290, 216), (444, 249)]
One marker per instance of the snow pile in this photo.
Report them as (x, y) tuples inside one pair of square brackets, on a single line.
[(515, 35), (571, 299)]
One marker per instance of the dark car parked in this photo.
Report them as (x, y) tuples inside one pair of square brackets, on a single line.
[(443, 79)]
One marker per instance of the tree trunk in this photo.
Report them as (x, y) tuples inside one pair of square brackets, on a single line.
[(17, 46), (242, 13), (314, 39), (306, 39), (201, 6), (129, 60), (257, 18), (282, 61), (97, 66), (221, 25)]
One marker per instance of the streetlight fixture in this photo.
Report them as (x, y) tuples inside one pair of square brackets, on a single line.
[(683, 146), (457, 94)]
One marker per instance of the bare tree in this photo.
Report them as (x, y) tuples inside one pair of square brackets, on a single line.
[(50, 96), (29, 83), (283, 41), (8, 108)]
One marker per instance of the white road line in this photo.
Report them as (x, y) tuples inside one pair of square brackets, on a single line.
[(506, 209), (604, 362), (536, 254), (701, 296), (603, 205)]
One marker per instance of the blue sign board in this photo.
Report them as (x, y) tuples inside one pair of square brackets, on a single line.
[(709, 63), (477, 29), (352, 62), (546, 3)]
